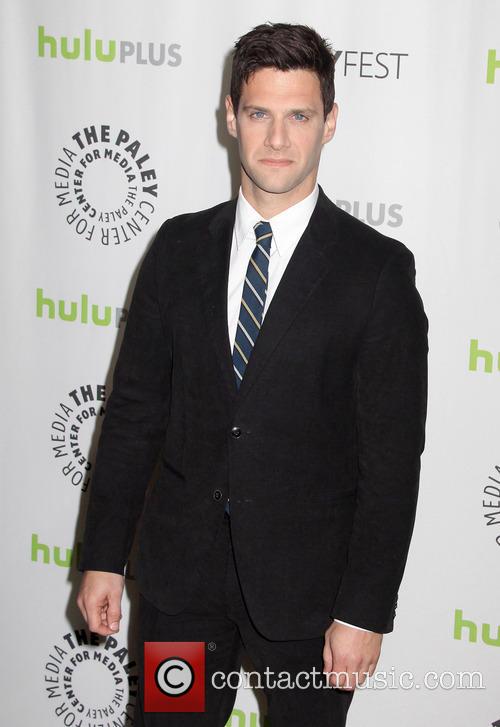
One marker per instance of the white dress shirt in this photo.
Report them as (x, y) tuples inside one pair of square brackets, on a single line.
[(288, 227)]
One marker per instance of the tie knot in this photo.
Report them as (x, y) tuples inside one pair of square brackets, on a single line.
[(263, 234)]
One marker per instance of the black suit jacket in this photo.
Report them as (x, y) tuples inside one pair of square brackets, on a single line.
[(319, 449)]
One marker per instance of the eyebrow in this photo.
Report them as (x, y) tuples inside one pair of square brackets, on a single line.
[(307, 110)]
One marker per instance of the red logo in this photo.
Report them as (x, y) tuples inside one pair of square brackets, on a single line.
[(174, 676)]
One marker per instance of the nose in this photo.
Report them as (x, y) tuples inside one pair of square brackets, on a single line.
[(277, 136)]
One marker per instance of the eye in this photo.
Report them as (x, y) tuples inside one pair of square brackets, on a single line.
[(303, 116), (255, 114)]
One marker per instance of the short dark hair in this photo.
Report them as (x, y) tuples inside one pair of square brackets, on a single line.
[(283, 46)]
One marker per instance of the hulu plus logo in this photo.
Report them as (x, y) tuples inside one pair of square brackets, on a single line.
[(374, 213), (88, 48), (466, 629), (62, 557), (81, 312), (55, 555), (480, 359), (492, 65)]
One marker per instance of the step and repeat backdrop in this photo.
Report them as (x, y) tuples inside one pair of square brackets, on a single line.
[(113, 120)]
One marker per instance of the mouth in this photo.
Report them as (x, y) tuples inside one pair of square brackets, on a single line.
[(276, 162)]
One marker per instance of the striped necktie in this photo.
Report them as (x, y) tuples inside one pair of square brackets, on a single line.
[(253, 299), (252, 303)]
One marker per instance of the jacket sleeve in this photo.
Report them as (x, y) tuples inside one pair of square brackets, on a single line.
[(133, 428), (391, 375)]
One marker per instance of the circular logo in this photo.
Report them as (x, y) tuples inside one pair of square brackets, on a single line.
[(90, 681), (73, 422), (105, 184), (491, 504), (174, 676)]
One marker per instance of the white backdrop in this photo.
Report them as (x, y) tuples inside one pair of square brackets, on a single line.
[(415, 154)]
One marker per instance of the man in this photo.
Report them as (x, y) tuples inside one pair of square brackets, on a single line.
[(276, 354)]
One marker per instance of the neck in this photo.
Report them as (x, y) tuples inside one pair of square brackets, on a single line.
[(269, 204)]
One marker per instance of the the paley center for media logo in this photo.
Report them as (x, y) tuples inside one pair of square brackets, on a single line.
[(89, 680), (490, 504), (106, 184), (73, 421)]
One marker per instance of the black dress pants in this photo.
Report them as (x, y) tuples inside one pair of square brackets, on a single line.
[(218, 615)]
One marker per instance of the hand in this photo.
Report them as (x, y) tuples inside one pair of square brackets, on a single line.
[(99, 600), (351, 651)]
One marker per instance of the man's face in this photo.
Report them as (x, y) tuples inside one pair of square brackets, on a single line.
[(281, 129)]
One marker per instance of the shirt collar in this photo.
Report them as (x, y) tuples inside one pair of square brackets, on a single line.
[(287, 226)]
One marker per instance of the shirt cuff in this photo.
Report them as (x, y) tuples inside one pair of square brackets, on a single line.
[(360, 628)]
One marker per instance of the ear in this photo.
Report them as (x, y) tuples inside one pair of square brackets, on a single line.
[(330, 123), (231, 117)]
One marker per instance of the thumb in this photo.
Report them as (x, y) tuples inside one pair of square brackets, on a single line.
[(113, 614), (327, 656)]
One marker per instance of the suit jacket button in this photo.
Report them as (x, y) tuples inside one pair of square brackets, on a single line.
[(236, 431), (217, 494)]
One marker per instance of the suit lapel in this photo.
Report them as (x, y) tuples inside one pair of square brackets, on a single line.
[(306, 268), (213, 260)]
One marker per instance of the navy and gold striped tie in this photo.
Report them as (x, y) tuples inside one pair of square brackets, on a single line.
[(252, 303), (252, 300)]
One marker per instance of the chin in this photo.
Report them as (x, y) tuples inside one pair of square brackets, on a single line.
[(275, 186)]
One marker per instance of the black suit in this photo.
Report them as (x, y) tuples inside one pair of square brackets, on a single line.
[(319, 450)]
